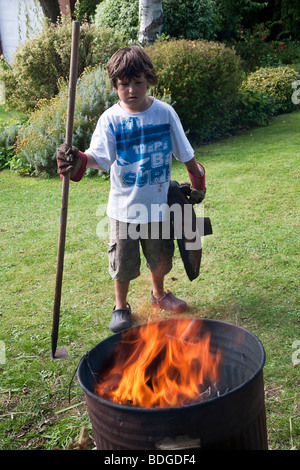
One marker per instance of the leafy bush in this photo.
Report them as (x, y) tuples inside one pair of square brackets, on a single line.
[(8, 136), (4, 65), (85, 9), (276, 82), (121, 15), (257, 53), (6, 154), (190, 19), (45, 131), (256, 49), (289, 51), (106, 41), (40, 62), (203, 78), (253, 108)]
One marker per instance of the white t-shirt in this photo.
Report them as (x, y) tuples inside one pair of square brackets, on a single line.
[(138, 148)]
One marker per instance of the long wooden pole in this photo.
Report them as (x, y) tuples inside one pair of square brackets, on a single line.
[(65, 186)]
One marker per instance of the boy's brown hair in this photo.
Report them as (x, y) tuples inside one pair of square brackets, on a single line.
[(130, 62)]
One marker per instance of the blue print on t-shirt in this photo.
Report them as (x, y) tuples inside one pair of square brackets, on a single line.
[(148, 148)]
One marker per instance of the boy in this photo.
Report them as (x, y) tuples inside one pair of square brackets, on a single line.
[(135, 139)]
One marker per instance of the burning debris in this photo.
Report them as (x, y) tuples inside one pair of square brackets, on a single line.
[(164, 364)]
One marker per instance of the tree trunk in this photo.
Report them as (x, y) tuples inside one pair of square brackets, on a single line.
[(151, 20), (53, 9), (50, 9), (67, 7)]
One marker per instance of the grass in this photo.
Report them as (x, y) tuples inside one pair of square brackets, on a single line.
[(7, 115), (249, 277)]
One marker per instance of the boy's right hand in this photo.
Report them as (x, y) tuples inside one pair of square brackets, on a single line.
[(68, 160)]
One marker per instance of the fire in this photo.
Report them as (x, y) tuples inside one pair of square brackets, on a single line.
[(161, 364)]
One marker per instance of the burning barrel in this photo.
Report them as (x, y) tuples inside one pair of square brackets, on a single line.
[(176, 384)]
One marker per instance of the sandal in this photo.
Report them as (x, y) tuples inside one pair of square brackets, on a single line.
[(120, 319)]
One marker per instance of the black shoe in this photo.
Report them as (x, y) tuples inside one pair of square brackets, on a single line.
[(120, 319)]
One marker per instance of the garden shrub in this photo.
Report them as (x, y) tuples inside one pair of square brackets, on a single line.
[(106, 41), (8, 135), (253, 108), (85, 10), (190, 19), (276, 82), (256, 53), (39, 138), (257, 50), (203, 78), (40, 62), (289, 51), (121, 15)]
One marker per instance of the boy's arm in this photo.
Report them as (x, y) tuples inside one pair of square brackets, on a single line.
[(91, 163), (194, 167)]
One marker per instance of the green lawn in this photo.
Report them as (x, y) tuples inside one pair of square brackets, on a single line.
[(6, 115), (3, 114), (249, 277)]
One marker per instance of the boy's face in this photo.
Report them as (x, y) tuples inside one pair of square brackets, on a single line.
[(133, 94)]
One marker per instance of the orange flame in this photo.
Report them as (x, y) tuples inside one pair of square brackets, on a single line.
[(161, 364)]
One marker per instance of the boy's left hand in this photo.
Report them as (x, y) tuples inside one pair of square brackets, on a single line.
[(196, 195)]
